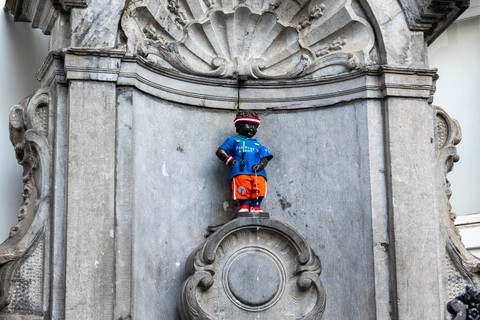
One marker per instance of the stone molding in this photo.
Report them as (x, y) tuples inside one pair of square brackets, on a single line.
[(24, 255), (42, 13), (250, 39), (373, 82), (67, 5), (52, 69), (432, 16), (284, 274)]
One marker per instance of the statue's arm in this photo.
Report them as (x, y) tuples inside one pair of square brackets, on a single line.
[(262, 165), (222, 155)]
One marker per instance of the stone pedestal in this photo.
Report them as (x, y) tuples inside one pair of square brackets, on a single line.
[(253, 268)]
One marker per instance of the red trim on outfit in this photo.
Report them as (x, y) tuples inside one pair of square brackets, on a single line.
[(248, 119), (228, 160)]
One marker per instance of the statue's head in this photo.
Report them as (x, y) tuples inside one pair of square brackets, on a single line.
[(246, 123)]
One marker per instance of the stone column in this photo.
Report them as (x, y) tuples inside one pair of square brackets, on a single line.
[(413, 213), (91, 193)]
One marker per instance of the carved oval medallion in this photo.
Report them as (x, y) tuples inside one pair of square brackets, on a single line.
[(253, 269), (254, 279)]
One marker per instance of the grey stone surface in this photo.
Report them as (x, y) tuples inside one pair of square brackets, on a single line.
[(89, 284), (370, 83), (253, 278), (330, 209), (378, 206), (124, 206), (419, 15), (58, 251), (343, 96), (95, 25), (414, 251)]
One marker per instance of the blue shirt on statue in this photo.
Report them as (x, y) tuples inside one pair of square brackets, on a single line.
[(253, 152)]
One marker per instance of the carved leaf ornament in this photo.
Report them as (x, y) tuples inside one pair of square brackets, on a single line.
[(261, 39), (463, 268), (21, 255)]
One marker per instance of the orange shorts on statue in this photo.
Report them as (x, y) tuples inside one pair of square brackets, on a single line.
[(245, 187)]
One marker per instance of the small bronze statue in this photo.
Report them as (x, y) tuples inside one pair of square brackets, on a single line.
[(248, 159)]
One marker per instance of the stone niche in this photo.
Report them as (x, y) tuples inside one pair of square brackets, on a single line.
[(323, 198), (197, 63), (253, 269)]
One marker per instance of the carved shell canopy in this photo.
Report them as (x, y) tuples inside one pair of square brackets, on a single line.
[(266, 39)]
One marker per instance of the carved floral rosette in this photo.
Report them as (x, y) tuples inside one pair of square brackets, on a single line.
[(23, 254), (261, 39), (252, 268), (463, 268)]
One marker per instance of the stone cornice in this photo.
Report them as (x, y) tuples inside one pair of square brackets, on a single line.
[(51, 69), (432, 16), (368, 83), (92, 64), (372, 82), (55, 69), (42, 14), (66, 5)]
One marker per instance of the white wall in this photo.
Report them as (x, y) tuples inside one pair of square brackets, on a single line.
[(456, 54), (23, 51), (469, 227)]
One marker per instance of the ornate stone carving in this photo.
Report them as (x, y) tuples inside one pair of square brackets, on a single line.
[(466, 305), (462, 267), (252, 268), (256, 39), (22, 255)]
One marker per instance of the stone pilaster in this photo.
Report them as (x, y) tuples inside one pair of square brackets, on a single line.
[(90, 249)]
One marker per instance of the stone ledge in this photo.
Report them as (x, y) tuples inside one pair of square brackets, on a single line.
[(6, 316)]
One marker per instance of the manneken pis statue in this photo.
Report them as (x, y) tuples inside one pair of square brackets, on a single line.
[(247, 159)]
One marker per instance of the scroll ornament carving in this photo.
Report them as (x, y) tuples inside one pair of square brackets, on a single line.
[(267, 39), (463, 267), (22, 253), (253, 268)]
